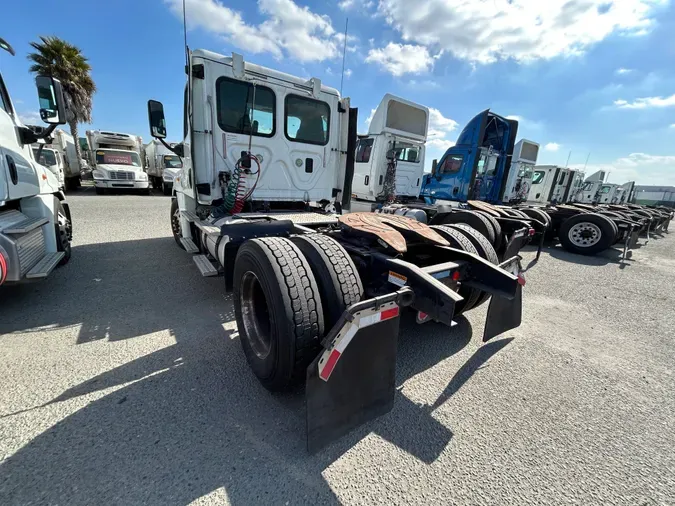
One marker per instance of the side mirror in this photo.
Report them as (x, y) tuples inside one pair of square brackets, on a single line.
[(434, 166), (391, 155), (52, 104), (156, 118)]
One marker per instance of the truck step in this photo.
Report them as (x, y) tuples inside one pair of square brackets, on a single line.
[(207, 228), (190, 216), (189, 245), (205, 265), (45, 266), (25, 226)]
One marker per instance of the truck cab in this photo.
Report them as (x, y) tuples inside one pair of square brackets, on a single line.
[(117, 160), (162, 165), (35, 223), (476, 167), (396, 136), (519, 180), (53, 160), (552, 184)]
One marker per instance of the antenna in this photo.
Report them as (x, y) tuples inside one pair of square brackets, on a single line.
[(344, 53), (568, 160), (589, 155), (187, 56)]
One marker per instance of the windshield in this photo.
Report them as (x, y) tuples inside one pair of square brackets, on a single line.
[(47, 157), (172, 162), (117, 157)]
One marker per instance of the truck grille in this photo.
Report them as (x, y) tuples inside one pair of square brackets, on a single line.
[(119, 175)]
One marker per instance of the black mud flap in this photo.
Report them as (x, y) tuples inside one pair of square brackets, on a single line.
[(505, 313), (353, 380)]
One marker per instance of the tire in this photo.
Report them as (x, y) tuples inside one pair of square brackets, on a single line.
[(278, 310), (609, 215), (495, 225), (485, 251), (166, 190), (174, 216), (537, 214), (99, 191), (459, 241), (590, 223), (473, 219), (479, 241), (335, 273), (64, 233)]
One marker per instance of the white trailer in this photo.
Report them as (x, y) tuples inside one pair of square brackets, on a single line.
[(35, 223), (519, 181), (396, 142), (117, 161), (162, 164)]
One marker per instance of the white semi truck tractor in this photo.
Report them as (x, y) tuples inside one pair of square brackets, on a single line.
[(117, 160), (163, 165), (35, 220), (268, 163), (59, 155)]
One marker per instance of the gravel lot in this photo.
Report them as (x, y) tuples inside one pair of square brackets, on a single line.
[(122, 382)]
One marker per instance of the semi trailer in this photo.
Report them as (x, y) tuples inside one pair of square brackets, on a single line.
[(162, 165), (117, 161), (268, 162), (35, 220)]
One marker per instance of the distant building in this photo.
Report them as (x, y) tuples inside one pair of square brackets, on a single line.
[(655, 195)]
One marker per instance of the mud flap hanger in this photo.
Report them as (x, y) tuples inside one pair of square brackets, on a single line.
[(352, 381)]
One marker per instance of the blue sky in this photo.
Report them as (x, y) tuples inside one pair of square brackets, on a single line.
[(583, 76)]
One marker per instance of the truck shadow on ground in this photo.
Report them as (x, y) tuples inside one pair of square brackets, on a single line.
[(189, 419)]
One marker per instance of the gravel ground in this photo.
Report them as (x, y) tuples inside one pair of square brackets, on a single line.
[(122, 382)]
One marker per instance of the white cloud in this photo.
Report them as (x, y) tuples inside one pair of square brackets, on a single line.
[(646, 102), (525, 30), (369, 118), (346, 5), (30, 118), (348, 73), (399, 59), (672, 125), (552, 146), (439, 128), (286, 29), (639, 167), (623, 71)]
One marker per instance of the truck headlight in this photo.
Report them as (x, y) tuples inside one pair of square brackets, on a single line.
[(98, 174), (167, 176), (143, 176)]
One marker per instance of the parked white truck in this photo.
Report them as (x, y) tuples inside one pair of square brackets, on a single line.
[(35, 222), (117, 161), (396, 140), (163, 165), (59, 155), (519, 182)]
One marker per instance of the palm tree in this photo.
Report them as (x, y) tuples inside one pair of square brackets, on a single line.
[(59, 59)]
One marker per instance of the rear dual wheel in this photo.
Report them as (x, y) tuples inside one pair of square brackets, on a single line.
[(587, 234), (287, 294), (473, 219)]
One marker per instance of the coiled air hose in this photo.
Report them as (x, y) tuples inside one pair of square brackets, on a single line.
[(237, 194)]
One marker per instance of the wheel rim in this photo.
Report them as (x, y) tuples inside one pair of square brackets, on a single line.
[(585, 234), (255, 315), (65, 230), (175, 223)]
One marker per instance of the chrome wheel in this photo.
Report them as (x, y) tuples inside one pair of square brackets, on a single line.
[(255, 315), (584, 234)]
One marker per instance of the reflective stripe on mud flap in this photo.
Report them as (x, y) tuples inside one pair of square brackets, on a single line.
[(330, 356)]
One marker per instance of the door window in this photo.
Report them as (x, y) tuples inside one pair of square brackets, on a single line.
[(452, 164), (307, 120), (538, 176), (409, 154), (363, 150), (241, 110)]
